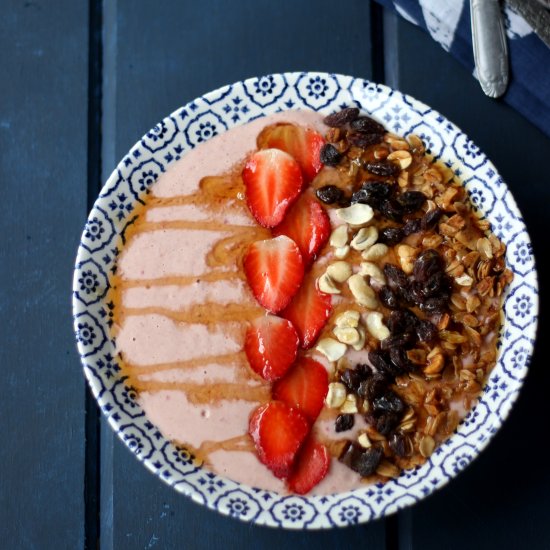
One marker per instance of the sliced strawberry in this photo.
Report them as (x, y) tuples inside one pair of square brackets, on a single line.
[(273, 180), (308, 311), (304, 144), (278, 431), (311, 467), (274, 270), (304, 386), (271, 344), (307, 224)]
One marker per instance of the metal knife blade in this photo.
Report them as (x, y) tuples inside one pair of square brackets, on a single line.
[(490, 48), (536, 15)]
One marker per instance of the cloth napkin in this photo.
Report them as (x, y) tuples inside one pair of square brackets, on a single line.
[(448, 22)]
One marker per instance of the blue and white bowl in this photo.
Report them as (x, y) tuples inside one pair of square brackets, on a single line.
[(213, 114)]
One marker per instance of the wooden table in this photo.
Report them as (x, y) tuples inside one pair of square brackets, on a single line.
[(80, 84)]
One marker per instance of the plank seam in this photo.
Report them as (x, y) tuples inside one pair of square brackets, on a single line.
[(92, 422)]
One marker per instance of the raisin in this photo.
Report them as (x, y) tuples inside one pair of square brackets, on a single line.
[(430, 219), (329, 194), (437, 285), (434, 305), (341, 118), (351, 378), (388, 297), (398, 444), (367, 125), (350, 455), (344, 422), (330, 155), (391, 209), (382, 363), (344, 202), (378, 361), (412, 226), (390, 402), (427, 264), (368, 462), (386, 423), (415, 295), (401, 321), (385, 169), (378, 189), (411, 201), (398, 357), (396, 276), (364, 197), (403, 340), (373, 387), (426, 331), (362, 461), (363, 140), (391, 235), (364, 370), (372, 193)]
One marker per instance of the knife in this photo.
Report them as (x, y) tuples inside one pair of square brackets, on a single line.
[(534, 12), (490, 48)]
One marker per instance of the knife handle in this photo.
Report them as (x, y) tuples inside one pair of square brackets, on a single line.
[(490, 49)]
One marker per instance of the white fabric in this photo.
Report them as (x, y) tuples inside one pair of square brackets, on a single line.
[(442, 26)]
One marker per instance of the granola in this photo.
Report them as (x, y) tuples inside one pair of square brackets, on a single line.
[(427, 297)]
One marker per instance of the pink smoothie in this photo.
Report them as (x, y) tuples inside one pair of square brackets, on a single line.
[(192, 376)]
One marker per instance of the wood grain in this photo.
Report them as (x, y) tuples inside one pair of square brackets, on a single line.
[(43, 101)]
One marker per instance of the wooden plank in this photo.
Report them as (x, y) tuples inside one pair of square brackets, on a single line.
[(167, 54), (501, 500), (43, 100)]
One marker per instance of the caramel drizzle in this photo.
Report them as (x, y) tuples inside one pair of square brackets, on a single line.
[(177, 280), (201, 394), (239, 443), (227, 359), (200, 313), (146, 227)]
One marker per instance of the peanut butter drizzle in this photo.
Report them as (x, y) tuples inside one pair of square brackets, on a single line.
[(201, 394), (243, 373), (240, 443), (227, 359), (177, 280), (215, 192), (230, 250), (146, 227), (204, 314)]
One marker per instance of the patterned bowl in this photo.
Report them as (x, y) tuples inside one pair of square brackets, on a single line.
[(208, 116)]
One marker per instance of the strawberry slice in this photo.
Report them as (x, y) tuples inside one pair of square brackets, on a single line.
[(308, 225), (308, 311), (278, 431), (273, 180), (304, 387), (311, 467), (304, 144), (271, 344), (274, 270)]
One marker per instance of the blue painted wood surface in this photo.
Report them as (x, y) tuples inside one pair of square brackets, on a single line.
[(43, 165), (155, 57)]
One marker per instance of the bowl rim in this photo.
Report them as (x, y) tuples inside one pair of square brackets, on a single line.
[(83, 255)]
